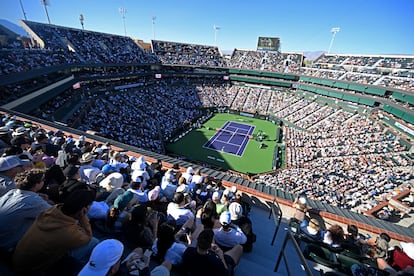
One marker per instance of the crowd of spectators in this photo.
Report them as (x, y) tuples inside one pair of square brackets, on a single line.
[(266, 61), (393, 72), (177, 105), (67, 190), (187, 54), (346, 160), (331, 244), (91, 47)]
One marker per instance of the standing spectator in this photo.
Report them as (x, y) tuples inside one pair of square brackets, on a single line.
[(57, 237)]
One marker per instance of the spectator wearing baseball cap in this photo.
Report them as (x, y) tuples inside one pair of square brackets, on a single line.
[(228, 235), (245, 224), (10, 166), (105, 259)]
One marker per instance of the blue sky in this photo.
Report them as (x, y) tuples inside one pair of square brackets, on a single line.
[(366, 26)]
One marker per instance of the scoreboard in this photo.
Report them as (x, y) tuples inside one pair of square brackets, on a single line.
[(268, 44)]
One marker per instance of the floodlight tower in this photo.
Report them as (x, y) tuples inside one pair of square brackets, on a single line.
[(24, 13), (123, 11), (46, 3), (333, 31), (216, 28), (81, 19), (153, 27)]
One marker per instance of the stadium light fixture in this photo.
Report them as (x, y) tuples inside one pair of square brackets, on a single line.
[(81, 19), (333, 31), (153, 27), (24, 13), (46, 3), (216, 28), (123, 11)]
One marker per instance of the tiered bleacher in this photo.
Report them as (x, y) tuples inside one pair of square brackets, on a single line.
[(187, 54), (266, 61), (342, 158)]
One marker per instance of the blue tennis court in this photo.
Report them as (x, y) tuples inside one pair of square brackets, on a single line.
[(231, 138)]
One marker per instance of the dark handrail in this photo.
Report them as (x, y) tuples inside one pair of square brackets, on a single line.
[(275, 212), (304, 263)]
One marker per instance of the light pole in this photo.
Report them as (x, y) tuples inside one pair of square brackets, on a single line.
[(216, 28), (81, 19), (123, 11), (45, 3), (24, 13), (333, 31), (153, 27)]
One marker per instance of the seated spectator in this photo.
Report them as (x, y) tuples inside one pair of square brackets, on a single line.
[(140, 195), (228, 235), (10, 166), (136, 264), (58, 233), (168, 185), (402, 258), (219, 207), (88, 172), (72, 182), (312, 230), (112, 186), (105, 171), (168, 245), (378, 247), (5, 137), (140, 229), (334, 236), (105, 259), (19, 207), (208, 259), (245, 224), (177, 210)]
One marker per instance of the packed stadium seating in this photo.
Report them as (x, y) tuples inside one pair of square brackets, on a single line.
[(180, 101)]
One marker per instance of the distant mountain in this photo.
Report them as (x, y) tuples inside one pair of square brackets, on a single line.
[(313, 55), (13, 27)]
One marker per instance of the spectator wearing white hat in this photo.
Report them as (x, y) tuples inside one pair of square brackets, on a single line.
[(188, 174), (168, 186), (10, 166), (245, 224), (228, 235), (105, 259), (88, 172)]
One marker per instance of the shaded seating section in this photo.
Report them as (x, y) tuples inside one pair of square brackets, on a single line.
[(187, 54)]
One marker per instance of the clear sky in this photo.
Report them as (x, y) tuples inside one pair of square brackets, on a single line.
[(366, 26)]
